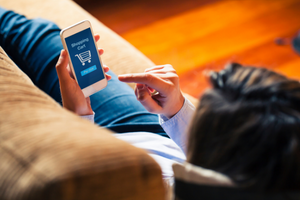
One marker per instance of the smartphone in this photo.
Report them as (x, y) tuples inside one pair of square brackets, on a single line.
[(84, 59)]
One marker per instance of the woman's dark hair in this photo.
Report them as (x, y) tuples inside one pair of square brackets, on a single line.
[(248, 127)]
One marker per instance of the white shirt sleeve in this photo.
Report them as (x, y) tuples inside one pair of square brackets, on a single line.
[(177, 126), (89, 117)]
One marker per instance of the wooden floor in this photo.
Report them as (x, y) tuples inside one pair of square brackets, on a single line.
[(198, 36)]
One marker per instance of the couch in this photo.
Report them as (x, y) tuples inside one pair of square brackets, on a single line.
[(47, 152)]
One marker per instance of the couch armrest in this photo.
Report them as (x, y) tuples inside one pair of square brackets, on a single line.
[(47, 152)]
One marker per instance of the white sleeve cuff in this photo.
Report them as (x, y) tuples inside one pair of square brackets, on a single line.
[(177, 126), (89, 117)]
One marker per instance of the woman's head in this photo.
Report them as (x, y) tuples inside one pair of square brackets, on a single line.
[(248, 127)]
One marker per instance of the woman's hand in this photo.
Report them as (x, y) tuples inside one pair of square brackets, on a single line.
[(73, 98), (167, 99)]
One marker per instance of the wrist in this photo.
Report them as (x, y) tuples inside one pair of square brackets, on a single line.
[(83, 112), (176, 107)]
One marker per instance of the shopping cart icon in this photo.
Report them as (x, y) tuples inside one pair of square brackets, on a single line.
[(84, 56)]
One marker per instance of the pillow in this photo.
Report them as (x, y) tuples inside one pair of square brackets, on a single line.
[(198, 175), (194, 182)]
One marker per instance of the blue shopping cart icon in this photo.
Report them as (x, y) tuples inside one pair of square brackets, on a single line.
[(88, 70)]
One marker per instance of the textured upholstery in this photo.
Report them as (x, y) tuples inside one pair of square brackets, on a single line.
[(47, 152)]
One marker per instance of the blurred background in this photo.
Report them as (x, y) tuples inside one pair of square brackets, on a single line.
[(198, 36)]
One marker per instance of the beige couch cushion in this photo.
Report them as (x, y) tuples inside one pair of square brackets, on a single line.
[(47, 152)]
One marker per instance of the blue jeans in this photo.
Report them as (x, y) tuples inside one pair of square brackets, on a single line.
[(34, 45)]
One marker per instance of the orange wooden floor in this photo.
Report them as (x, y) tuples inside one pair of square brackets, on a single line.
[(198, 36)]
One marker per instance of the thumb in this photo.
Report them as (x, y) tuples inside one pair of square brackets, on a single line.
[(142, 92), (61, 66), (144, 97)]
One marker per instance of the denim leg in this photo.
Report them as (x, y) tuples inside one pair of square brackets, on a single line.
[(117, 108), (34, 45)]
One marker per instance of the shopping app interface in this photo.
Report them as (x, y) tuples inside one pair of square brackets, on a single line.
[(83, 54)]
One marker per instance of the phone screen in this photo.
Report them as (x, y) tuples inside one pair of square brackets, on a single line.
[(84, 57)]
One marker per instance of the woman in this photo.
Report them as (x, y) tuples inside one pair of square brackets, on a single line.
[(246, 127)]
